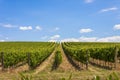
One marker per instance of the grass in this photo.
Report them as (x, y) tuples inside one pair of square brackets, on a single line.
[(70, 76), (63, 75), (77, 75)]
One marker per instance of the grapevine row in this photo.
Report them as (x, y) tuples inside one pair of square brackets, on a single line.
[(17, 52), (82, 51)]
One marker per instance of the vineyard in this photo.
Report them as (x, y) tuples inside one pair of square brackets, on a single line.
[(13, 53), (60, 58), (101, 54)]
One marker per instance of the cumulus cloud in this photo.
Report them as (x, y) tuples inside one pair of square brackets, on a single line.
[(108, 9), (81, 39), (89, 1), (7, 25), (110, 39), (116, 27), (38, 28), (93, 39), (57, 28), (24, 28), (70, 40), (87, 39), (85, 30), (52, 41), (2, 40), (55, 37), (7, 38)]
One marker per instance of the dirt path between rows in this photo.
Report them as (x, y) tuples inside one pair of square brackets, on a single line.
[(20, 68), (65, 65), (0, 66), (44, 64), (93, 69)]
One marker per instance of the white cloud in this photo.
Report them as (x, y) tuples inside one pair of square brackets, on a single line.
[(57, 28), (7, 38), (116, 27), (109, 9), (87, 39), (89, 1), (110, 39), (81, 39), (52, 41), (2, 40), (25, 28), (38, 28), (93, 39), (70, 40), (7, 25), (55, 37), (85, 30)]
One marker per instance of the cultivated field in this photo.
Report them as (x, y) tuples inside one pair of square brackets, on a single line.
[(59, 61)]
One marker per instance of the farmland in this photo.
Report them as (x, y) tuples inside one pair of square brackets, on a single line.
[(54, 61)]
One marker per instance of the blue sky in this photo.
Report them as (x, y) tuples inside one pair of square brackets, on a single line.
[(60, 20)]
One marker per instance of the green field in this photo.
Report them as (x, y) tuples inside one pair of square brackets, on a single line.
[(59, 61)]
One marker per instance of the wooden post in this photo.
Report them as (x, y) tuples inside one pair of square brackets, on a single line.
[(116, 53), (87, 61), (28, 59), (2, 60)]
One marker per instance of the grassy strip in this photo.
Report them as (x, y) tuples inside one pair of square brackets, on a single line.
[(112, 76)]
